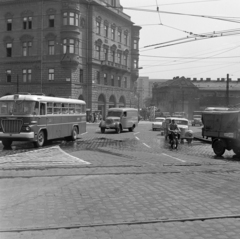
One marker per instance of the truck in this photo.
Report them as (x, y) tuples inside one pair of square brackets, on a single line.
[(223, 127)]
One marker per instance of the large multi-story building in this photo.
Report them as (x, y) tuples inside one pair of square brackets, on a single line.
[(85, 49)]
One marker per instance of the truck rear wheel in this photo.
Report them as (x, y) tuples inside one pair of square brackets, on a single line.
[(219, 147)]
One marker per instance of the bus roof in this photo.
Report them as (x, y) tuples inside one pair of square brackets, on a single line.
[(41, 99)]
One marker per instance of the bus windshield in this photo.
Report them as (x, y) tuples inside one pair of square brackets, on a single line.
[(17, 107), (114, 114)]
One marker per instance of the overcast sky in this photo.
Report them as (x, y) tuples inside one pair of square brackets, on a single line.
[(204, 57)]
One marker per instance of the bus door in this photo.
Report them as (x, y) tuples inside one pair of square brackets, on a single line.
[(42, 119)]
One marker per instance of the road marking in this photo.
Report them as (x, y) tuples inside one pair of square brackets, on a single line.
[(175, 158), (137, 138), (136, 133), (147, 145)]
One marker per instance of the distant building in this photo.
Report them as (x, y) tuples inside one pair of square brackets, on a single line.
[(185, 94), (78, 49)]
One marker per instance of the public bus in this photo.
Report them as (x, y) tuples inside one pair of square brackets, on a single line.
[(38, 118)]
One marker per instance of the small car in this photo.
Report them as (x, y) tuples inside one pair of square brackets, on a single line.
[(157, 124), (197, 119)]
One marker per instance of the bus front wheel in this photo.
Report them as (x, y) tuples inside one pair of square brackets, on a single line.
[(40, 139), (7, 143)]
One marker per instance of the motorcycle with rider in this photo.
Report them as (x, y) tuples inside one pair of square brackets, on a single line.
[(173, 134)]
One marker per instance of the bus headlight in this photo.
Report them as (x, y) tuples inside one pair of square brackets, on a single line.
[(26, 129)]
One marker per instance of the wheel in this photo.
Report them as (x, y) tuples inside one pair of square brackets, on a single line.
[(7, 143), (118, 129), (74, 133), (236, 151), (40, 139), (131, 128), (102, 130), (219, 147)]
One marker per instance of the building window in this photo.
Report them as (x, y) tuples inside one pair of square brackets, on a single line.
[(51, 47), (105, 30), (105, 78), (27, 75), (135, 64), (27, 23), (125, 59), (51, 19), (125, 38), (112, 80), (119, 57), (105, 54), (98, 27), (113, 34), (9, 49), (9, 75), (98, 52), (119, 81), (98, 77), (50, 74), (26, 48), (9, 24), (81, 76), (135, 44), (125, 82), (71, 46), (113, 56), (119, 36), (70, 18)]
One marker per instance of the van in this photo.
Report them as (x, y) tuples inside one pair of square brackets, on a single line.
[(120, 119)]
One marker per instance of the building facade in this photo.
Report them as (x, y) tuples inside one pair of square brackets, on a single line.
[(69, 48)]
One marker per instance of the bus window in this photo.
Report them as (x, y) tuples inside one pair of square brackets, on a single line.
[(57, 108), (71, 108), (49, 108), (42, 109), (78, 109), (65, 108)]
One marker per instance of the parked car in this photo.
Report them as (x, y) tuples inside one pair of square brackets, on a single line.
[(197, 120), (157, 124)]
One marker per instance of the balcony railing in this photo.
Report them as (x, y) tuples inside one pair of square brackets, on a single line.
[(114, 65)]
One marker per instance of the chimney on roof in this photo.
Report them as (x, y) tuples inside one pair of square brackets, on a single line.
[(238, 79), (201, 79), (208, 79), (230, 79), (222, 79), (194, 79), (218, 79)]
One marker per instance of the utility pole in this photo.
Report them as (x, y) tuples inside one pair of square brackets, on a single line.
[(227, 91)]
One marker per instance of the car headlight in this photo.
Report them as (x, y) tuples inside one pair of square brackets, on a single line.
[(26, 129)]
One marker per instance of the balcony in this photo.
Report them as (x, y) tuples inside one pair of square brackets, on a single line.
[(115, 66)]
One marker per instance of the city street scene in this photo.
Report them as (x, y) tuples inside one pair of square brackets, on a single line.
[(119, 119)]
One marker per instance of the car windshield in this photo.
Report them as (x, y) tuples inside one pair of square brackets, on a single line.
[(17, 107), (182, 122), (159, 120), (114, 114)]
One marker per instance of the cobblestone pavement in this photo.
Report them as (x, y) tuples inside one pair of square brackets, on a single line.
[(118, 186)]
